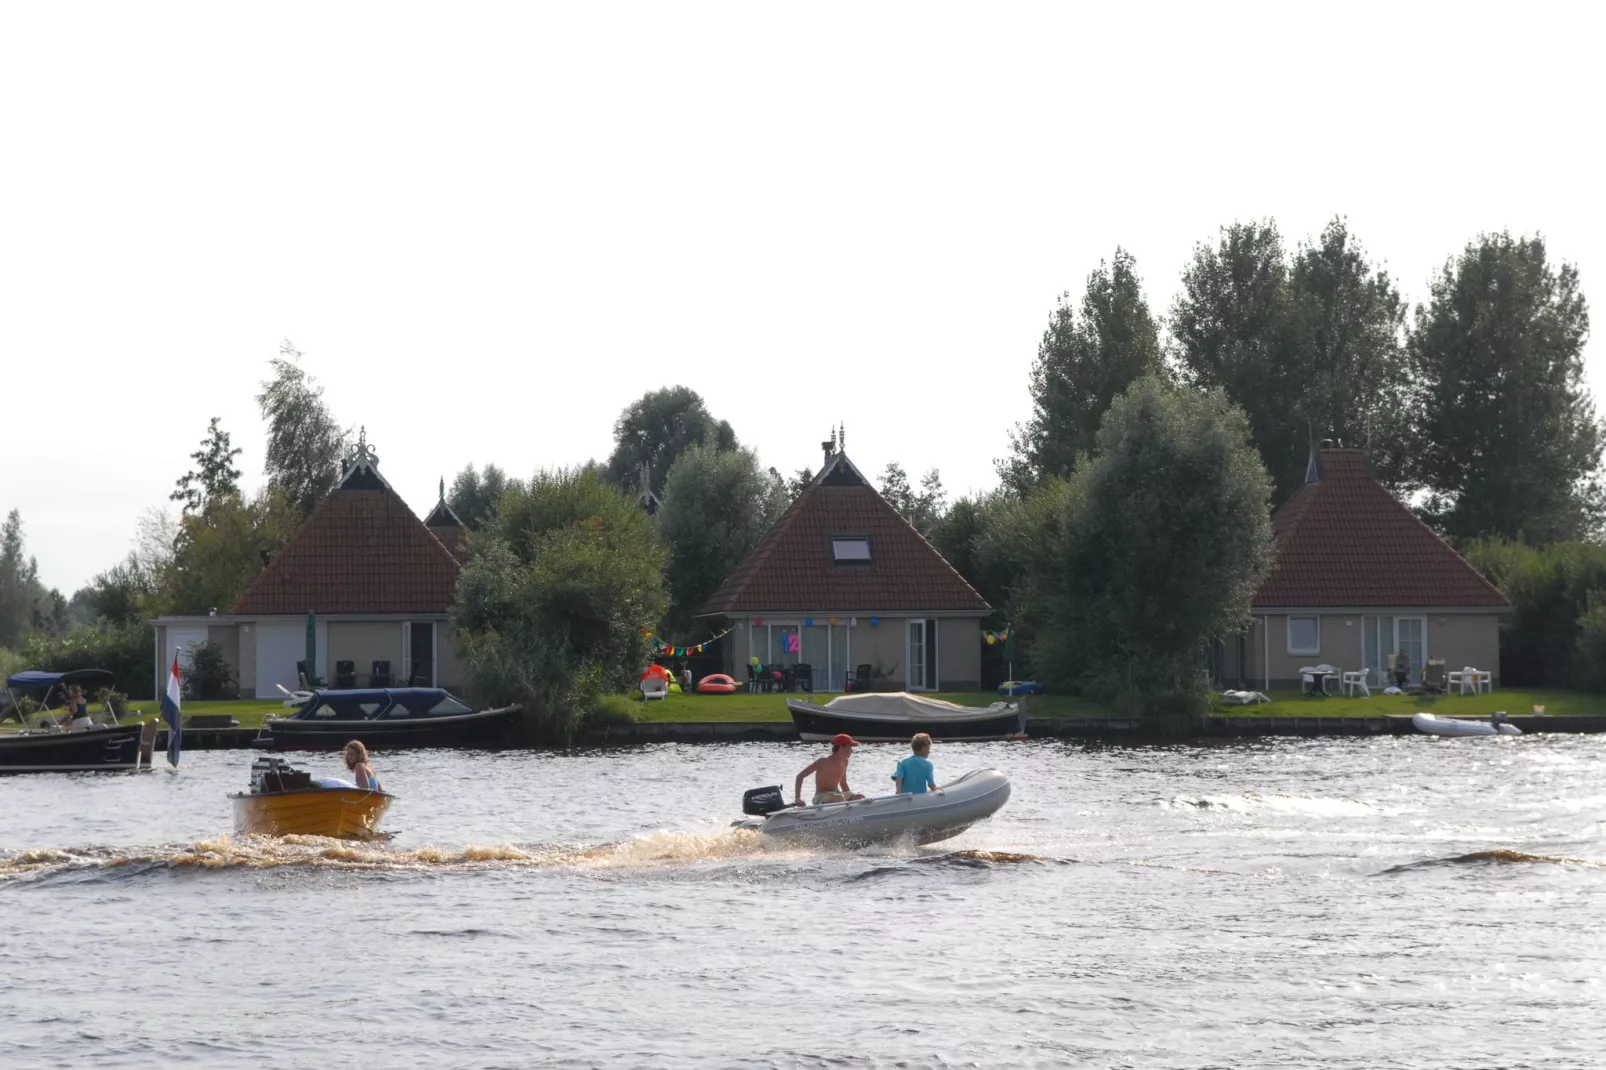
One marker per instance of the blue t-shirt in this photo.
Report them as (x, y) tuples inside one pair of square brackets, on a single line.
[(917, 774)]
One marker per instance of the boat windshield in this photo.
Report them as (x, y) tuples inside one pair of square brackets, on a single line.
[(427, 703)]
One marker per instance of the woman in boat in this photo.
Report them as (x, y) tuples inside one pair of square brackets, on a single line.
[(357, 762), (77, 710)]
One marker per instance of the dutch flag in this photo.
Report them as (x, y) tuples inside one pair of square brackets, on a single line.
[(170, 702)]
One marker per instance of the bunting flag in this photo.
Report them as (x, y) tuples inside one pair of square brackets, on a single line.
[(676, 650)]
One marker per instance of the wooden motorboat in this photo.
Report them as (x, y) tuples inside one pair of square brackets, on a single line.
[(895, 716), (935, 815), (286, 801), (101, 746), (385, 719)]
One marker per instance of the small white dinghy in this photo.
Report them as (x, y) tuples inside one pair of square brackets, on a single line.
[(1452, 726), (936, 815)]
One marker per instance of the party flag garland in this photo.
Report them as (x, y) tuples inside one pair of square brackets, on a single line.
[(673, 650)]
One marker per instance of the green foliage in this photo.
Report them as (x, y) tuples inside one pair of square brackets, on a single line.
[(1309, 350), (209, 675), (475, 496), (1590, 659), (214, 474), (923, 508), (1551, 588), (20, 592), (1082, 363), (127, 651), (218, 551), (120, 594), (655, 429), (305, 445), (982, 538), (1505, 434), (1155, 544), (554, 607), (717, 505)]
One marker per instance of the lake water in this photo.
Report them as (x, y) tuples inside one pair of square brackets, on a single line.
[(1395, 902)]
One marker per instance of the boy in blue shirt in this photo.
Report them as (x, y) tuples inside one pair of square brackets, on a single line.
[(914, 775)]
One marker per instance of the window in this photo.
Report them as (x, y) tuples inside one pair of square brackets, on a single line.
[(850, 548), (1304, 635)]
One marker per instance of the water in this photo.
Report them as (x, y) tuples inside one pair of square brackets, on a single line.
[(1338, 903)]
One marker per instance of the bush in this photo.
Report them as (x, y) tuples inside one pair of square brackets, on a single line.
[(208, 676), (609, 710), (1550, 590), (117, 700), (127, 651)]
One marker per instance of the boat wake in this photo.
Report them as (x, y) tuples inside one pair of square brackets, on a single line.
[(1499, 857), (1248, 801)]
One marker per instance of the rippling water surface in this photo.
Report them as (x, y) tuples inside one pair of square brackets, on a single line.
[(1340, 903)]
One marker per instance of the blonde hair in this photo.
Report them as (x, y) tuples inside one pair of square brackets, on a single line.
[(356, 754), (921, 743)]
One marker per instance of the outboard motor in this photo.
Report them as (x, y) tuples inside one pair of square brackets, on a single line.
[(761, 801)]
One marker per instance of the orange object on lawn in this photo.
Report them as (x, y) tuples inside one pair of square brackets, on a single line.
[(716, 684)]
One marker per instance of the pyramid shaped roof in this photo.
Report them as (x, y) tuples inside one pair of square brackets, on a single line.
[(362, 550), (1344, 541), (793, 568)]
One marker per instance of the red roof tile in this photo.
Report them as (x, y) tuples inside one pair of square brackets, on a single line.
[(1346, 541), (792, 569), (361, 551)]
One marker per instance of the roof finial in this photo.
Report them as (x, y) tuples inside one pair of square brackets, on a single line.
[(842, 436), (443, 488)]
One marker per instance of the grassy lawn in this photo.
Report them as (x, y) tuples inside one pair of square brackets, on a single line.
[(748, 706), (1516, 703), (248, 711)]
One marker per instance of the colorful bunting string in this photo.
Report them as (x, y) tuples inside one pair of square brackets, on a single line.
[(676, 650)]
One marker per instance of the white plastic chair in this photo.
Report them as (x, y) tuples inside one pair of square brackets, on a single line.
[(1351, 682), (1457, 680), (1482, 680), (654, 687)]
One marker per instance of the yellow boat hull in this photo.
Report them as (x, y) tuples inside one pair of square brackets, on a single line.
[(343, 813)]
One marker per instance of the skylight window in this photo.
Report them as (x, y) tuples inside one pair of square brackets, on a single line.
[(850, 548)]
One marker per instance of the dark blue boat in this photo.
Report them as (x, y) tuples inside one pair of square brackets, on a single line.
[(105, 744), (386, 718)]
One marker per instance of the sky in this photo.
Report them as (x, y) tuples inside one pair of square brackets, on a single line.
[(490, 227)]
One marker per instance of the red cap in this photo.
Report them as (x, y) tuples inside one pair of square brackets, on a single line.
[(842, 739)]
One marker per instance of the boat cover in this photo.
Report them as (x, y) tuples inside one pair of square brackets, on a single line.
[(901, 705), (35, 680)]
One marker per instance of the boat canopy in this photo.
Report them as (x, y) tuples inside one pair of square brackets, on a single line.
[(372, 703), (903, 705), (35, 680)]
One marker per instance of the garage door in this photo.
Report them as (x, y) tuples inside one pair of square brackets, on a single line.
[(279, 647)]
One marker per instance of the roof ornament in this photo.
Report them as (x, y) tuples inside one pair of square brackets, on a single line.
[(828, 447), (364, 456), (648, 500), (443, 488), (362, 467)]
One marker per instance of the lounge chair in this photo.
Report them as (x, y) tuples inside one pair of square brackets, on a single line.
[(1434, 678)]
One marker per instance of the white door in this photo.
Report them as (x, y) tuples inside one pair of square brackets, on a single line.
[(179, 638), (916, 676), (279, 646)]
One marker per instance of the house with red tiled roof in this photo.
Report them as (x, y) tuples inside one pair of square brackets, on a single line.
[(1357, 577), (376, 582), (842, 580)]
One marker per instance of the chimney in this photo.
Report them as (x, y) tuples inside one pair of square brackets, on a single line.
[(266, 555)]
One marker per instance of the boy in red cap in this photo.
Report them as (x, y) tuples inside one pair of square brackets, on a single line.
[(830, 774)]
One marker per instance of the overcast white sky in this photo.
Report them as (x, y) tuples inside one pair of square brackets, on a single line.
[(490, 227)]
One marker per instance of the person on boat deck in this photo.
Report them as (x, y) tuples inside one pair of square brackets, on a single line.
[(77, 714), (361, 771), (830, 774), (915, 774)]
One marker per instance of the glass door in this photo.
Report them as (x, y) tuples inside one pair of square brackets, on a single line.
[(1411, 639), (1383, 636), (917, 656)]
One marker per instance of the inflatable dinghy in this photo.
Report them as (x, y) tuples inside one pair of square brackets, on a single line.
[(1450, 726), (936, 815)]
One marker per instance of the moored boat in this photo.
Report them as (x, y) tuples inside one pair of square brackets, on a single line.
[(935, 815), (1453, 726), (284, 801), (104, 745), (386, 719), (884, 717)]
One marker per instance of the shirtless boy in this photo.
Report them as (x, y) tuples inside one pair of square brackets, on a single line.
[(830, 774)]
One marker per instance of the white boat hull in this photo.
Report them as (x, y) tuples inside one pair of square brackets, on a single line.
[(936, 815), (1450, 726)]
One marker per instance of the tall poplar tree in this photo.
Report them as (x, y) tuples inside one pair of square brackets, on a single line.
[(1505, 434), (1083, 361), (305, 446)]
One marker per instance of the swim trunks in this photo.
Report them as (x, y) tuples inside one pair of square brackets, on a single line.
[(822, 797)]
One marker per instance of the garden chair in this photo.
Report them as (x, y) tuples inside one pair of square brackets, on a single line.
[(859, 681), (1352, 682), (345, 675), (1434, 679), (380, 677), (654, 687)]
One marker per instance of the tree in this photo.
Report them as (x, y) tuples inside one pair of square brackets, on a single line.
[(555, 606), (978, 538), (1504, 432), (219, 551), (921, 508), (475, 496), (118, 595), (655, 429), (214, 474), (1082, 363), (1308, 351), (1154, 545), (717, 505), (20, 591), (305, 446)]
